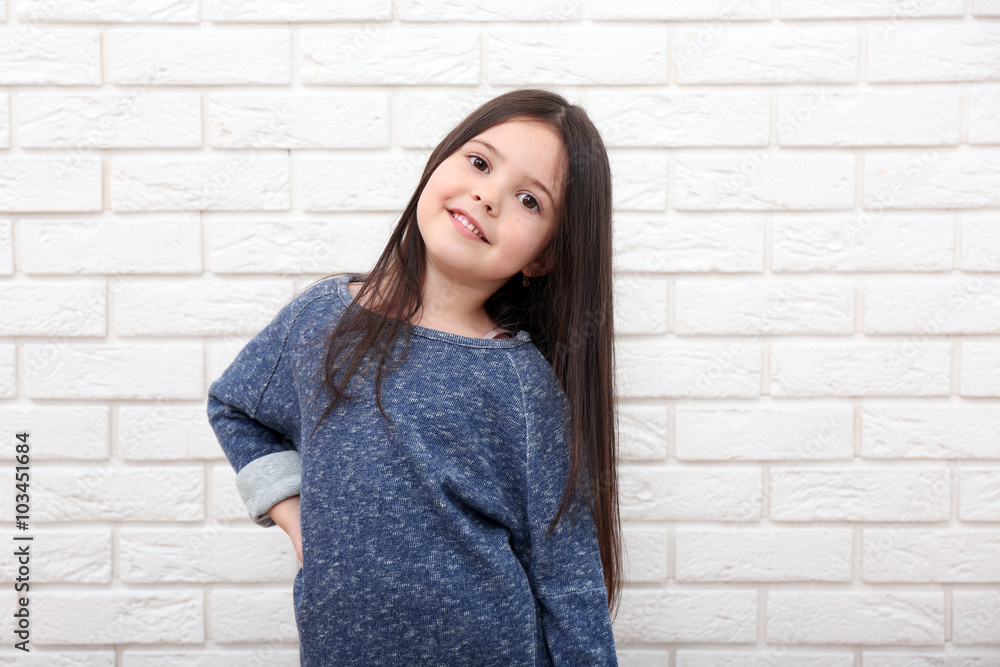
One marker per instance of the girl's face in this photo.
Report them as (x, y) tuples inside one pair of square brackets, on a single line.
[(507, 181)]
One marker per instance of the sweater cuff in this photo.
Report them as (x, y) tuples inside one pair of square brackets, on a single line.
[(268, 480)]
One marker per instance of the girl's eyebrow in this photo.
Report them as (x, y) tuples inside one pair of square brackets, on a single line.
[(531, 179)]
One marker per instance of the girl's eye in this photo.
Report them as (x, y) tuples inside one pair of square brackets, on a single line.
[(530, 202), (476, 159)]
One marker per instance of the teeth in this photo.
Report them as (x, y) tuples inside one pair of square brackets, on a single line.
[(468, 225)]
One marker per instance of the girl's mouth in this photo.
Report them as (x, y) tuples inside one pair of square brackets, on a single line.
[(468, 225)]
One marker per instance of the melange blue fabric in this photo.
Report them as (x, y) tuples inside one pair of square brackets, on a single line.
[(423, 542)]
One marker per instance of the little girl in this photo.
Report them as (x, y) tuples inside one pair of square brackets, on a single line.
[(425, 506)]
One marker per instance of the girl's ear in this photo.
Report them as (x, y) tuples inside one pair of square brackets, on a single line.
[(544, 263)]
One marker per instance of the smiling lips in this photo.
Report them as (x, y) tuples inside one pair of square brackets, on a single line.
[(469, 223)]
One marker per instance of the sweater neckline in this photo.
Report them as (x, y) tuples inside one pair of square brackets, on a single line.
[(520, 338)]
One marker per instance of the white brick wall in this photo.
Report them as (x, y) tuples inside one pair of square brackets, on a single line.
[(807, 246)]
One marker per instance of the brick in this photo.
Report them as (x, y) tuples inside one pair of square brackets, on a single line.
[(909, 555), (253, 616), (642, 657), (108, 372), (8, 377), (134, 120), (329, 121), (969, 305), (658, 615), (34, 56), (905, 368), (984, 122), (80, 432), (762, 180), (7, 247), (200, 57), (689, 493), (981, 242), (899, 12), (640, 305), (720, 243), (53, 309), (197, 307), (764, 555), (640, 120), (70, 555), (979, 495), (934, 51), (527, 55), (747, 308), (705, 434), (980, 370), (292, 11), (640, 180), (108, 492), (931, 432), (166, 432), (55, 658), (874, 659), (4, 121), (95, 618), (166, 245), (975, 617), (56, 184), (382, 182), (484, 10), (769, 53), (866, 119), (643, 431), (108, 11), (933, 179), (296, 247), (240, 182), (860, 495), (667, 369), (886, 242), (842, 618), (771, 658), (631, 10), (986, 8), (196, 555), (646, 553), (389, 55)]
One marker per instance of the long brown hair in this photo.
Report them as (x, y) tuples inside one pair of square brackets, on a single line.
[(567, 311)]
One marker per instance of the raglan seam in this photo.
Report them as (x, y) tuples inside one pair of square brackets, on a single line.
[(527, 484), (527, 439), (281, 353)]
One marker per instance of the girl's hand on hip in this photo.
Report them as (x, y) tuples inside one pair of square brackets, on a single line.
[(287, 514)]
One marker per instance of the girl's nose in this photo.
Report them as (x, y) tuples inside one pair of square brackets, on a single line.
[(487, 201)]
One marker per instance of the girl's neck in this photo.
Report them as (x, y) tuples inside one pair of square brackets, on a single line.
[(470, 330)]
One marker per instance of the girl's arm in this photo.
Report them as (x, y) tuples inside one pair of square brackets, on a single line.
[(287, 515), (253, 409), (564, 569)]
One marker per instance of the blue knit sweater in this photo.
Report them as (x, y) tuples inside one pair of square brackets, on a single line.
[(424, 542)]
